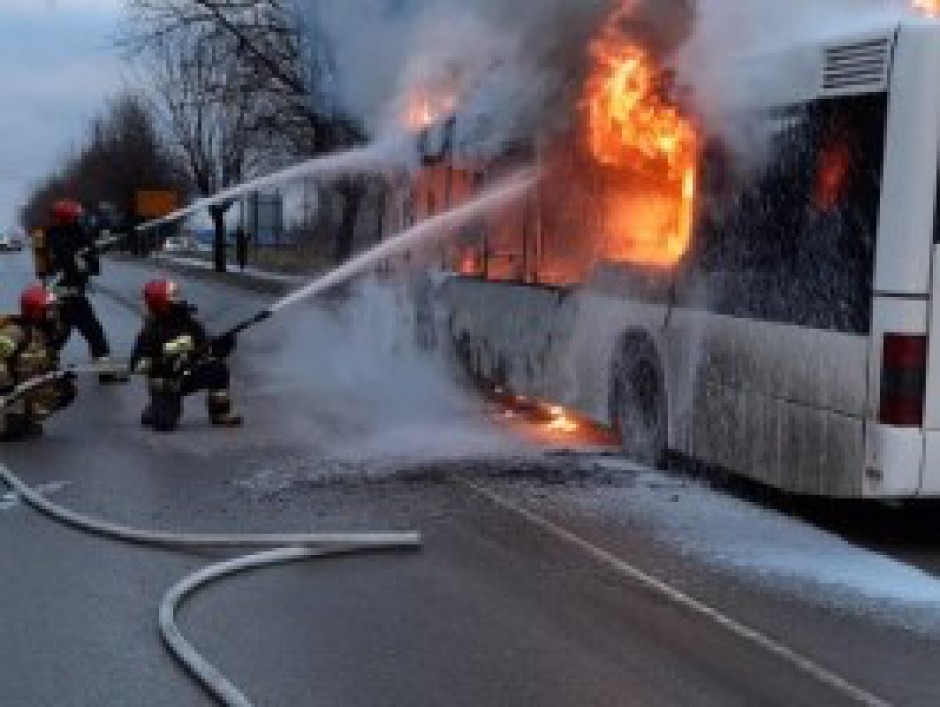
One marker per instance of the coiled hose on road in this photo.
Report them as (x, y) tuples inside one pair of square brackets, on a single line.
[(282, 549)]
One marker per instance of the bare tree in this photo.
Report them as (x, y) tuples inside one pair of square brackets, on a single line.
[(286, 62), (198, 84), (284, 66), (122, 154), (126, 153)]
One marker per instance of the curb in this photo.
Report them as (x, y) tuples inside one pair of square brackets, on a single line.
[(263, 283)]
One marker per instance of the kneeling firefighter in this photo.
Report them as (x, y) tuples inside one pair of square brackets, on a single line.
[(29, 346), (175, 353)]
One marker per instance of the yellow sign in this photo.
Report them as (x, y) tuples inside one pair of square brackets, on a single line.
[(156, 204)]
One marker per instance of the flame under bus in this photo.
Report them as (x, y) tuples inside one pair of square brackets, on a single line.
[(791, 337)]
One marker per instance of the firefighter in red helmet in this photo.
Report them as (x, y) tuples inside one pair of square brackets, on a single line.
[(75, 260), (66, 212), (179, 359), (29, 346)]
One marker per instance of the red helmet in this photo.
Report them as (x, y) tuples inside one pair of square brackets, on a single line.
[(161, 295), (66, 212), (35, 303)]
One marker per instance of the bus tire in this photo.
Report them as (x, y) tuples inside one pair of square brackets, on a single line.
[(639, 407)]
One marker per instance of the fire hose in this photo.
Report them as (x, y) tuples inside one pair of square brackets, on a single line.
[(283, 549), (72, 371), (68, 372), (278, 548), (287, 548)]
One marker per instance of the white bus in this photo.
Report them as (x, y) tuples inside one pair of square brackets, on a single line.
[(792, 343)]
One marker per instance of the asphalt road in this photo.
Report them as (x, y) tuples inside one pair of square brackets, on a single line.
[(496, 610)]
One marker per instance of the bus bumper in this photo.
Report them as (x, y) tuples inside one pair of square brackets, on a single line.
[(894, 462), (930, 485)]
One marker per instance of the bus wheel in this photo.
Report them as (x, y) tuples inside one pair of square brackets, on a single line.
[(639, 404)]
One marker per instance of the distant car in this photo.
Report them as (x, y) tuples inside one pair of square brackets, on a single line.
[(177, 244), (11, 243), (200, 247)]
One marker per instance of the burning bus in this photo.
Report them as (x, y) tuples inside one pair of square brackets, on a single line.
[(771, 317)]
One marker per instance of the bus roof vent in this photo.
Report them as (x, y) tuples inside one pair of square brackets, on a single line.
[(857, 67)]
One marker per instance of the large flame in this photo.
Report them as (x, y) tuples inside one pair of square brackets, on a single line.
[(931, 8), (631, 128)]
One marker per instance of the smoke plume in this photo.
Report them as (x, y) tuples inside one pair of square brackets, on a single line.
[(726, 33), (516, 67), (511, 63)]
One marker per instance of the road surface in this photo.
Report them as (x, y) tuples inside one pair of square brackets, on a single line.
[(523, 594)]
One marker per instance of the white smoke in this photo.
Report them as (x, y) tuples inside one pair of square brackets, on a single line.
[(367, 386), (728, 34), (517, 65), (726, 27), (506, 59)]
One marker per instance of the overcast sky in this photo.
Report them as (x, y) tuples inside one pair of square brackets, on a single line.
[(57, 64)]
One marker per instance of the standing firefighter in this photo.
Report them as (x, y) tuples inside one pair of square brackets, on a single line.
[(180, 359), (29, 345), (241, 248), (74, 257)]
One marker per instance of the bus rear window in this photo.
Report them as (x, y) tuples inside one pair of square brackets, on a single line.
[(793, 241)]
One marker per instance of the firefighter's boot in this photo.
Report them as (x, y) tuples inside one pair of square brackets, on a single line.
[(146, 417), (219, 405), (20, 426)]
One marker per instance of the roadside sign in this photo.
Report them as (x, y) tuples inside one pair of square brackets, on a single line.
[(152, 204)]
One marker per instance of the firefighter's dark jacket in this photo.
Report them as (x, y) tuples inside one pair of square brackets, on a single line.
[(74, 256), (159, 331)]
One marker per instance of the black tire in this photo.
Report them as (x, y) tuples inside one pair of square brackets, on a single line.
[(166, 409), (638, 402)]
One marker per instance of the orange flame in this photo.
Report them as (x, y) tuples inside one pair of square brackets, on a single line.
[(931, 8), (424, 108), (633, 129), (469, 262), (835, 162), (560, 421)]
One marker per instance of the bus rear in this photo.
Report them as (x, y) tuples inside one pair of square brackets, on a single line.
[(903, 436)]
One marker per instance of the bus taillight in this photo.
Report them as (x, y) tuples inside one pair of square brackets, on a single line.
[(903, 380)]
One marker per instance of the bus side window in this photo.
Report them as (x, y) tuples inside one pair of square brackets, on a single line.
[(752, 216), (792, 240)]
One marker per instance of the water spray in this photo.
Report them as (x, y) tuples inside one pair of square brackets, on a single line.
[(440, 227), (278, 548), (364, 159), (508, 190)]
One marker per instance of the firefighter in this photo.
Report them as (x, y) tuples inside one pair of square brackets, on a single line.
[(179, 359), (29, 346), (74, 262)]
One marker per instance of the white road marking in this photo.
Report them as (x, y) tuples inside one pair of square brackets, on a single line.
[(620, 566), (11, 500)]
